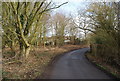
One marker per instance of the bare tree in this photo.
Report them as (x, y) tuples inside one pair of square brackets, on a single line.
[(24, 16)]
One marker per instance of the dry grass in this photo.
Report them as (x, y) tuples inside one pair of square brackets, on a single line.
[(35, 65)]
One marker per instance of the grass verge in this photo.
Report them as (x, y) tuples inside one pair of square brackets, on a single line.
[(107, 68)]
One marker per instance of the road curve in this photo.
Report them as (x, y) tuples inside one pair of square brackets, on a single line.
[(74, 65)]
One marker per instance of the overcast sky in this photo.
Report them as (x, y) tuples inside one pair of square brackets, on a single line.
[(74, 5), (71, 7)]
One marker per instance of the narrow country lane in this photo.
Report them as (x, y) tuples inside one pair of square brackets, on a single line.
[(74, 65)]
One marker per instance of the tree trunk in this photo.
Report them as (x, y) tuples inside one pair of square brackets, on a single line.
[(12, 46), (27, 51), (91, 48), (22, 51)]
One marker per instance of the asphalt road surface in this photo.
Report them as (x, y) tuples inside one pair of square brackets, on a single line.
[(74, 65)]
